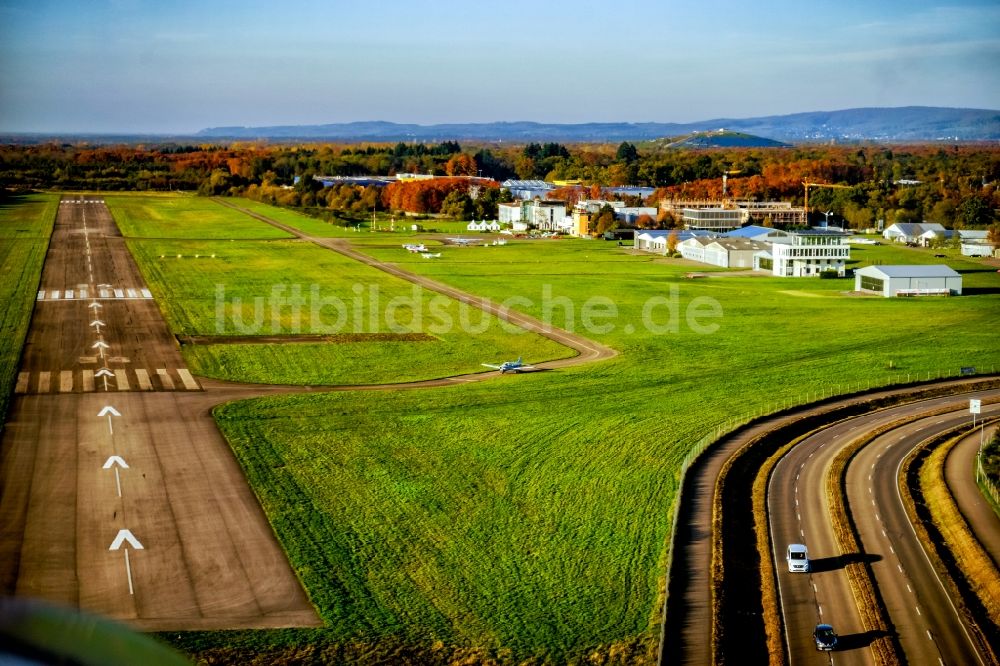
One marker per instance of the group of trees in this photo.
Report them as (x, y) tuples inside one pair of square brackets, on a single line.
[(955, 185)]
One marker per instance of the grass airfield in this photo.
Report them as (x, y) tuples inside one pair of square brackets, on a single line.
[(525, 518)]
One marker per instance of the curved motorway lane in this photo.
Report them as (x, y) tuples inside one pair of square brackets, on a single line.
[(929, 629)]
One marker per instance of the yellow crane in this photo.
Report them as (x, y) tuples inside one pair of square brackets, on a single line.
[(808, 185)]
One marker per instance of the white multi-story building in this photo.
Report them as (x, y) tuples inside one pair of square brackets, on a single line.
[(544, 214), (713, 219), (810, 252)]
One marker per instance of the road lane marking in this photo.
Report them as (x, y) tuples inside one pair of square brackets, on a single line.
[(929, 634), (910, 589), (918, 610), (900, 567), (891, 549)]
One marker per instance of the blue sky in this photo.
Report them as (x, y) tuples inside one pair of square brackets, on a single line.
[(176, 67)]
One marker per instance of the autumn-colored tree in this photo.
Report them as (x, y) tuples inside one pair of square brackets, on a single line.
[(460, 164), (993, 236), (673, 238), (645, 221)]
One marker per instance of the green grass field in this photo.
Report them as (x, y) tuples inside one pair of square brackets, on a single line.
[(184, 216), (529, 516), (359, 229), (251, 287), (25, 226)]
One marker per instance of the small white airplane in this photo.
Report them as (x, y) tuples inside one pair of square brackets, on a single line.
[(464, 241), (500, 241), (510, 366), (428, 255), (410, 247)]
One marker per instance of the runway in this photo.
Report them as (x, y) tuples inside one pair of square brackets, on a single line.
[(119, 495)]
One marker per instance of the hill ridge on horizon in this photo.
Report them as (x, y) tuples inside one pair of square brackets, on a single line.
[(924, 123)]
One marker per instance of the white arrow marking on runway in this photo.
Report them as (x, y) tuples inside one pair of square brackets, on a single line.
[(123, 536), (109, 411), (105, 373), (97, 323), (104, 286), (95, 304), (100, 344), (116, 460)]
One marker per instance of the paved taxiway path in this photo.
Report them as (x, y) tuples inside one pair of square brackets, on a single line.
[(119, 495)]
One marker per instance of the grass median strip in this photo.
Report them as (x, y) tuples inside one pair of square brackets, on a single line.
[(26, 223), (960, 560)]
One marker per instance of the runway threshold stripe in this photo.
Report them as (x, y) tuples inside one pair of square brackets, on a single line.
[(44, 380), (189, 382), (146, 293), (65, 381), (88, 380), (165, 379), (143, 378), (22, 382), (121, 378)]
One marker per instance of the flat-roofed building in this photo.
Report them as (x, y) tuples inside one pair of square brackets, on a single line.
[(713, 219), (810, 252)]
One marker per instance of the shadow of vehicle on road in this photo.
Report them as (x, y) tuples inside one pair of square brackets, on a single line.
[(856, 641), (822, 564)]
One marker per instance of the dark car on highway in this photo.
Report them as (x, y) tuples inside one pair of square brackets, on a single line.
[(826, 637)]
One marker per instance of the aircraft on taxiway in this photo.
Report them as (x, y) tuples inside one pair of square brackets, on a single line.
[(510, 366)]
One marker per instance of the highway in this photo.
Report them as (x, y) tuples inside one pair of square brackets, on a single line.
[(928, 628), (688, 625)]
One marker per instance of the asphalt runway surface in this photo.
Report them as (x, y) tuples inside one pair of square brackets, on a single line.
[(929, 629), (119, 494)]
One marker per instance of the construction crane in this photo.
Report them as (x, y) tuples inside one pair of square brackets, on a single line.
[(808, 185)]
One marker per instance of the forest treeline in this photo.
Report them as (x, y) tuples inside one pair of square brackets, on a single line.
[(953, 184)]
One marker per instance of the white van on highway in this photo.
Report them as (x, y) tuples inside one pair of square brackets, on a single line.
[(797, 557)]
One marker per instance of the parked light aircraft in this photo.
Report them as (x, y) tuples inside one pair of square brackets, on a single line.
[(464, 241), (428, 255), (510, 366), (415, 248)]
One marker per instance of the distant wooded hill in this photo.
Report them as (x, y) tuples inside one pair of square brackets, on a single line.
[(910, 123)]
